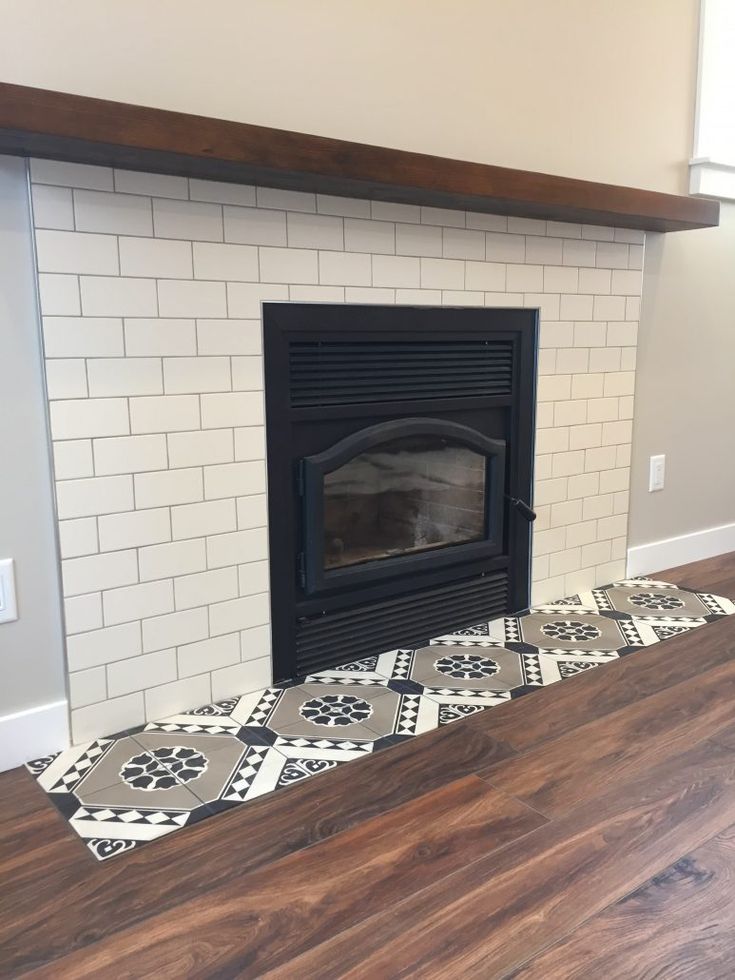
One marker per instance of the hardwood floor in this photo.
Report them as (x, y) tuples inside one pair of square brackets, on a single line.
[(587, 830)]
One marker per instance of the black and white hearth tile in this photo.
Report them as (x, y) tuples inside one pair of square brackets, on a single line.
[(493, 631), (548, 668), (476, 673), (356, 671), (212, 719), (562, 631)]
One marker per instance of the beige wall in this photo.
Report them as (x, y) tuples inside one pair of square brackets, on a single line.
[(585, 88), (685, 386)]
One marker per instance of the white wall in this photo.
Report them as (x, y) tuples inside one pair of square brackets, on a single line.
[(32, 674)]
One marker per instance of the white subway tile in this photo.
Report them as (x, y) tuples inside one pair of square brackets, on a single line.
[(441, 274), (96, 572), (560, 279), (77, 538), (200, 448), (189, 220), (635, 256), (141, 673), (543, 251), (181, 486), (584, 485), (585, 436), (594, 280), (108, 717), (612, 255), (462, 297), (66, 379), (553, 387), (632, 235), (572, 360), (238, 547), (255, 226), (346, 207), (578, 253), (366, 295), (504, 299), (177, 558), (52, 207), (103, 646), (345, 268), (218, 337), (619, 383), (255, 643), (162, 185), (137, 602), (191, 298), (488, 276), (626, 283), (157, 337), (254, 577), (419, 297), (525, 278), (247, 373), (71, 336), (599, 232), (135, 529), (486, 222), (235, 408), (87, 687), (443, 216), (168, 413), (547, 303), (161, 632), (218, 192), (99, 495), (239, 614), (602, 409), (397, 270), (170, 699), (274, 197), (505, 248), (413, 239), (86, 418), (59, 294), (609, 308), (392, 211), (615, 433), (109, 377), (576, 307), (633, 308), (204, 588), (460, 243), (563, 229), (75, 252), (316, 294), (289, 265), (186, 375), (234, 479), (73, 459), (211, 517), (106, 296), (130, 454), (624, 334), (252, 512), (220, 651), (526, 226), (244, 299), (570, 412), (587, 385), (603, 458), (250, 443), (70, 174), (112, 213), (241, 678), (314, 231), (590, 333), (213, 260), (155, 258), (370, 236)]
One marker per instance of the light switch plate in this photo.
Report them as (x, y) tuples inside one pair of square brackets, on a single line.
[(656, 473), (8, 604)]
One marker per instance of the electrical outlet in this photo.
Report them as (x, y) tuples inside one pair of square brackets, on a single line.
[(656, 473), (8, 605)]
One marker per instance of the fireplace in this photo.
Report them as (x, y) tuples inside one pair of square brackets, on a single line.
[(400, 447)]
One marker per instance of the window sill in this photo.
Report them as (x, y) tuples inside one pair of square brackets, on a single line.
[(710, 178)]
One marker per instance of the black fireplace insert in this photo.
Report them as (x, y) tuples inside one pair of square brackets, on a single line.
[(400, 448)]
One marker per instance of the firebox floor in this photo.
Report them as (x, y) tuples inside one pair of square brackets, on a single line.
[(139, 785)]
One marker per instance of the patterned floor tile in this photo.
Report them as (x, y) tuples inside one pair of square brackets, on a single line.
[(123, 791)]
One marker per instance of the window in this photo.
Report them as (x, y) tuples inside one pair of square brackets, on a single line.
[(712, 171)]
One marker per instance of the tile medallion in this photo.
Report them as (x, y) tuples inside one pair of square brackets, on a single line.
[(120, 792)]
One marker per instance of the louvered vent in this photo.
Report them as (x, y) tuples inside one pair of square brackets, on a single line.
[(343, 636), (344, 372)]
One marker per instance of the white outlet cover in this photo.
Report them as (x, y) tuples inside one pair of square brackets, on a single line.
[(8, 604), (656, 473)]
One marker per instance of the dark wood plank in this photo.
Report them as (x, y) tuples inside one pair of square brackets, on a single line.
[(73, 127), (256, 923), (592, 758), (679, 925), (563, 707), (57, 898), (496, 913), (709, 575)]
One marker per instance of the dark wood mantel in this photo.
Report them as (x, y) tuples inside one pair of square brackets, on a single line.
[(37, 122)]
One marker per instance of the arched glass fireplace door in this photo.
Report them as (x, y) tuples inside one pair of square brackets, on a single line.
[(398, 497)]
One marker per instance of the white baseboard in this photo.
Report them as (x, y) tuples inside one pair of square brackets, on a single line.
[(33, 733), (657, 555)]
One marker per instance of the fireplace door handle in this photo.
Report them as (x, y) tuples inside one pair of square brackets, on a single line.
[(523, 509)]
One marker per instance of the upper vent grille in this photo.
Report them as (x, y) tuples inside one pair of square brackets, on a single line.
[(344, 372)]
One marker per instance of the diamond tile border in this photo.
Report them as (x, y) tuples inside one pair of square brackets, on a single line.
[(120, 792)]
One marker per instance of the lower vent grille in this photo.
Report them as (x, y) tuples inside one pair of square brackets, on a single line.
[(344, 636)]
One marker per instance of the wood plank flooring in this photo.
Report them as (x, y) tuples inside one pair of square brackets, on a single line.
[(586, 830)]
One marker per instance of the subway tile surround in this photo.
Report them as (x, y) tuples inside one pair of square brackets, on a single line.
[(150, 291)]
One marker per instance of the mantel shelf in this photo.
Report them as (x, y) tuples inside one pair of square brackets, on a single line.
[(37, 122)]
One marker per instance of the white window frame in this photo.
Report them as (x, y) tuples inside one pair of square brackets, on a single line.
[(711, 170)]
